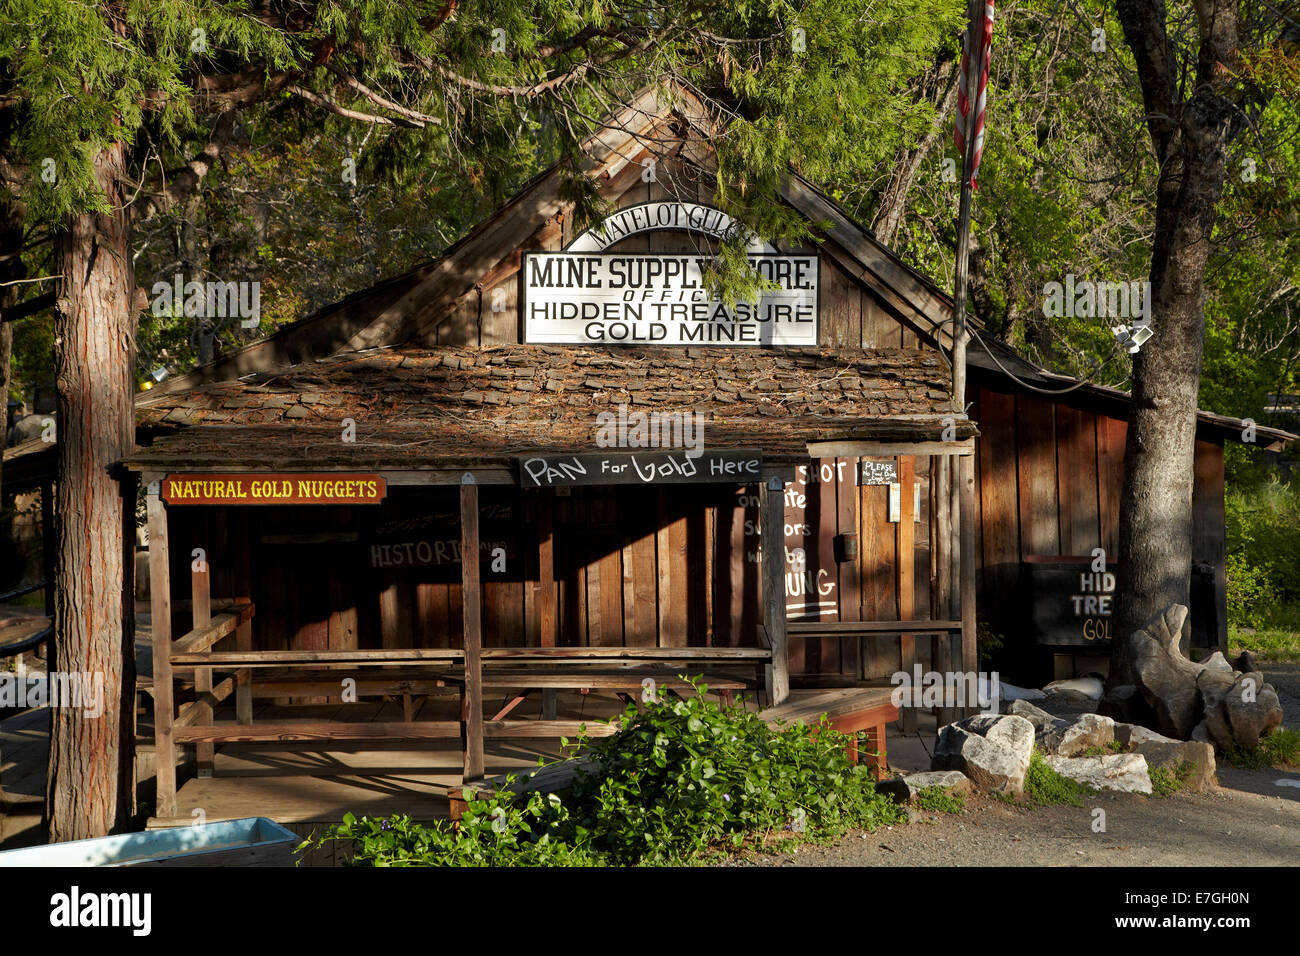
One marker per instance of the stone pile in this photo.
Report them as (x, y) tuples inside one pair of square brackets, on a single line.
[(1210, 702)]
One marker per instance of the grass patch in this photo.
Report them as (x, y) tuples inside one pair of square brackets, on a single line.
[(1280, 749), (1267, 643), (939, 800), (1166, 782), (1044, 787), (1114, 747)]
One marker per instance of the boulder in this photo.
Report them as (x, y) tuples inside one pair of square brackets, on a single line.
[(1047, 728), (896, 788), (1245, 662), (1089, 730), (953, 781), (1123, 772), (1214, 686), (993, 750), (1123, 703), (1201, 734), (1132, 736), (1253, 710), (1172, 754), (1217, 662), (1166, 679)]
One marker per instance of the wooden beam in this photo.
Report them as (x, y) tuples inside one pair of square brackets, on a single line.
[(546, 596), (216, 628), (470, 592), (772, 528), (355, 658), (888, 449), (966, 568), (161, 616), (905, 540), (834, 628), (324, 731), (548, 728), (200, 619), (941, 556)]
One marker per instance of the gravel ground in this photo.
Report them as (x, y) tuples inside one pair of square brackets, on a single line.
[(1247, 821)]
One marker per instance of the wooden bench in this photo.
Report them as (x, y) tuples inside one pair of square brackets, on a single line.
[(848, 710), (623, 668), (940, 633)]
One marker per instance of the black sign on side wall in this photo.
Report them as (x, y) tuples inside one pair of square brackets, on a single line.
[(729, 466), (1072, 603)]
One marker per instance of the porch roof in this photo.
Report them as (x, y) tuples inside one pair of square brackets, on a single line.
[(458, 407)]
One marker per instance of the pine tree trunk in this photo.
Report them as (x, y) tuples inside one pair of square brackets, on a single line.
[(90, 782)]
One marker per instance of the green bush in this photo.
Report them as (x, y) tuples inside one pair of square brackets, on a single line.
[(1263, 550), (1279, 749), (679, 780), (687, 775), (1166, 782)]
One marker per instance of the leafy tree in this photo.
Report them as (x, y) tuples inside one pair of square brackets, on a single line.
[(98, 99)]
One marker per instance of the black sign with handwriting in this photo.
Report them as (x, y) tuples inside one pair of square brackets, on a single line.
[(729, 466)]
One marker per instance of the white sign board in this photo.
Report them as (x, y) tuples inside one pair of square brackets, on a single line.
[(660, 299)]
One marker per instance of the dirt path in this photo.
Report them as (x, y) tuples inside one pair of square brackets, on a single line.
[(1247, 821)]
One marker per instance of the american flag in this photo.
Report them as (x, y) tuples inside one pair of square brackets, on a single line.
[(985, 34)]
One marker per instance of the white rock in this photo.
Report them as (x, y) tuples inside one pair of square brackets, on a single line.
[(1124, 772)]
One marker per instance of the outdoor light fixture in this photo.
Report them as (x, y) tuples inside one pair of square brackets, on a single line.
[(1132, 340)]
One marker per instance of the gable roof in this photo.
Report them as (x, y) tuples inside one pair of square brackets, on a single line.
[(389, 313)]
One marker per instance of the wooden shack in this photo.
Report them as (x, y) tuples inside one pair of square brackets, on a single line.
[(418, 476)]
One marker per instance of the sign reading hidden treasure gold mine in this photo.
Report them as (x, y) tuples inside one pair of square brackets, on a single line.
[(586, 295), (326, 488)]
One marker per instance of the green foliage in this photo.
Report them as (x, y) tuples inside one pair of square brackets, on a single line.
[(494, 832), (682, 780), (1263, 543), (1044, 787), (1113, 747), (1166, 782), (939, 800), (687, 775), (1279, 640), (1280, 749)]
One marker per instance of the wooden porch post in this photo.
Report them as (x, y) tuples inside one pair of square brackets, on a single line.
[(772, 527), (546, 598), (906, 544), (160, 606), (201, 616), (941, 607), (473, 696), (966, 567)]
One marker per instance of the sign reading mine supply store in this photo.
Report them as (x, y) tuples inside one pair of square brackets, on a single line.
[(322, 488), (731, 466), (586, 296)]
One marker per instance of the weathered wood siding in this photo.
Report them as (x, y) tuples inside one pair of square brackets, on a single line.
[(1048, 478)]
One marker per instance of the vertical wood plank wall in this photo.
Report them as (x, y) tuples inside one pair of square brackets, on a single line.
[(1048, 480), (672, 566)]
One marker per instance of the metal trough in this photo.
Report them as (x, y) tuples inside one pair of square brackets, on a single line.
[(252, 841)]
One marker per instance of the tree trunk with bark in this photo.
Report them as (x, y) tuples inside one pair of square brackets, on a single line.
[(90, 781), (1191, 138)]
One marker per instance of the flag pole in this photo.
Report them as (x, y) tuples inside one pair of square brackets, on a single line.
[(975, 64)]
